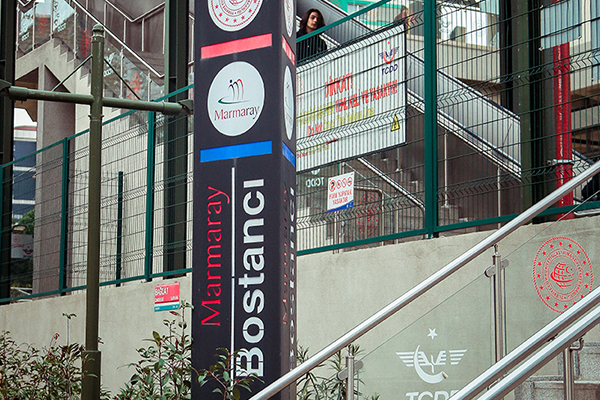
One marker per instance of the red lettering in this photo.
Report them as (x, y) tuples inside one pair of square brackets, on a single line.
[(216, 233), (215, 313), (216, 289), (210, 255), (217, 192)]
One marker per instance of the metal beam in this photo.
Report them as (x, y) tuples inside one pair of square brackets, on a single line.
[(8, 24), (22, 93), (176, 137)]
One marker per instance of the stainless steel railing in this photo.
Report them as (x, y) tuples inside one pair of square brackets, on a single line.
[(576, 329), (424, 286)]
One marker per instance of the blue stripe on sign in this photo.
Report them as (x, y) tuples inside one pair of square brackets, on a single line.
[(287, 153), (236, 151), (166, 306), (343, 207)]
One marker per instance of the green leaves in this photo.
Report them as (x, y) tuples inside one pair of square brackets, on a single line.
[(228, 374), (50, 373), (164, 370)]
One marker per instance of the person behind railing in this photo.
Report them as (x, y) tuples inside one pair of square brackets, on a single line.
[(308, 48), (403, 18)]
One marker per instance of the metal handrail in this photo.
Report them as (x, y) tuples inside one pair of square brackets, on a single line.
[(530, 346), (120, 42), (411, 197), (424, 286)]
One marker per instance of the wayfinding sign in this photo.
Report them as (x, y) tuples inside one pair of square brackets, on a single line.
[(244, 267), (353, 100)]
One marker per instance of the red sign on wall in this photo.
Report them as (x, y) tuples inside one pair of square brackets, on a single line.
[(166, 296)]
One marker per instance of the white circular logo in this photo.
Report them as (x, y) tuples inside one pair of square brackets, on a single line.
[(233, 15), (288, 11), (288, 103), (236, 98)]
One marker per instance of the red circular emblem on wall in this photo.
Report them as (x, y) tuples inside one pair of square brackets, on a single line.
[(562, 273), (233, 15), (367, 222)]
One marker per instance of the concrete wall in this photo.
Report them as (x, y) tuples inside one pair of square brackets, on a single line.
[(126, 318), (338, 291)]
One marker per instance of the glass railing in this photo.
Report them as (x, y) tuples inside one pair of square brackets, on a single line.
[(551, 269), (435, 348), (67, 22), (547, 268)]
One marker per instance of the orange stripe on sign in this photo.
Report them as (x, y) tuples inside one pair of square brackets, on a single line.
[(288, 50), (237, 46)]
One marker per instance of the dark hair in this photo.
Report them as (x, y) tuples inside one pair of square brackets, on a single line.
[(399, 16), (304, 20)]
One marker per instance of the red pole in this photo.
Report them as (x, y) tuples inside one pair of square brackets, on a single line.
[(562, 120)]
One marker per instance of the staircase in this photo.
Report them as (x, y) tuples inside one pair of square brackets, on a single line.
[(551, 387)]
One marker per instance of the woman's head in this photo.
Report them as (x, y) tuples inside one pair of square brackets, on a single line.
[(402, 15), (312, 20)]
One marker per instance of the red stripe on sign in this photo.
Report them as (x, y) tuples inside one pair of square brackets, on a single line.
[(236, 46), (288, 50)]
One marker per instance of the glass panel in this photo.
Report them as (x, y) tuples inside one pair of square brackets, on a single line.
[(136, 79), (63, 22), (84, 36), (552, 266), (113, 55), (25, 41), (156, 91), (43, 11), (438, 353)]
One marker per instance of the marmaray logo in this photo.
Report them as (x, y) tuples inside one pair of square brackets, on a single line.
[(236, 98), (236, 94)]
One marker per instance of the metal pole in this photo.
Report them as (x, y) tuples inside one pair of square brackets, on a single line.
[(499, 305), (569, 374), (350, 377), (119, 226), (430, 140), (91, 366), (8, 39)]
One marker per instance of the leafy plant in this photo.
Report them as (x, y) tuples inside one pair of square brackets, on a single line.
[(165, 369), (228, 383), (314, 387), (53, 372)]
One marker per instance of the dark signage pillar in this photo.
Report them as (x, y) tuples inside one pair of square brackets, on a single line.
[(244, 256)]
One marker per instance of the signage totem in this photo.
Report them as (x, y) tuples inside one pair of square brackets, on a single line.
[(244, 253)]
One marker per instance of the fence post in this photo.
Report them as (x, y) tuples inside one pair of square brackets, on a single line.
[(64, 205), (150, 194), (119, 257), (430, 126)]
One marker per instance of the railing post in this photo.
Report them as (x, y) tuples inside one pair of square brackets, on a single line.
[(119, 226), (569, 369), (430, 126), (64, 204), (350, 377), (499, 306), (150, 168)]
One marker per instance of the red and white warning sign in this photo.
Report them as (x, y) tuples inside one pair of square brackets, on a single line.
[(340, 192)]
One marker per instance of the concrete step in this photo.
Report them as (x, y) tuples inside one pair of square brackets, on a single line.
[(587, 378), (588, 362), (550, 388)]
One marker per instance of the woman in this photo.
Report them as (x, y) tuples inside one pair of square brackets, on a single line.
[(311, 21)]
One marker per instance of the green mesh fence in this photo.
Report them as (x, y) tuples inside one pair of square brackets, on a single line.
[(448, 126)]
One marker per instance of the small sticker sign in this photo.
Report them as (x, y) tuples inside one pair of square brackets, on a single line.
[(166, 296), (340, 193)]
